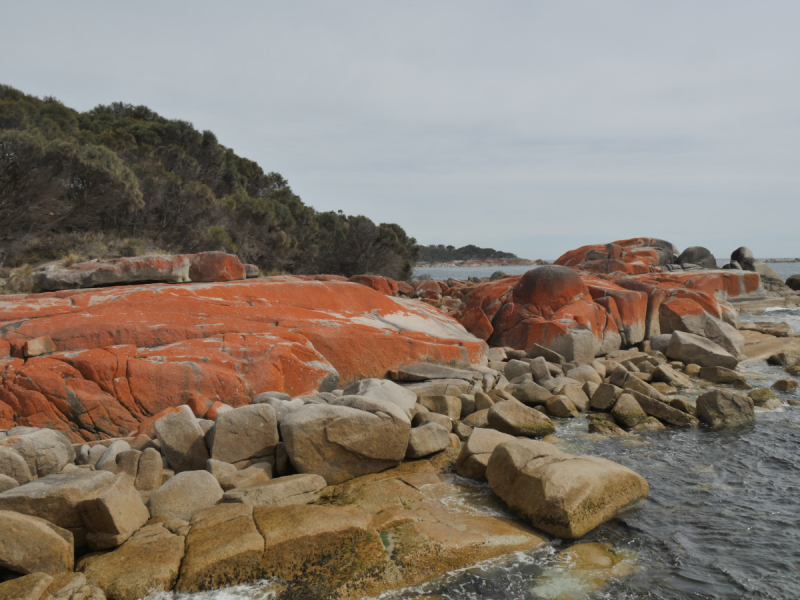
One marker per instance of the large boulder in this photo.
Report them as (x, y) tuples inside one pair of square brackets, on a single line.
[(216, 266), (113, 514), (794, 282), (30, 587), (182, 440), (46, 451), (683, 314), (514, 418), (725, 407), (30, 544), (223, 548), (148, 562), (58, 498), (563, 494), (475, 453), (184, 495), (693, 349), (352, 436), (13, 465), (427, 439), (740, 254), (697, 255), (246, 433)]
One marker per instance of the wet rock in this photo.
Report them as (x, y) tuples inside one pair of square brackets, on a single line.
[(562, 407), (664, 412), (113, 514), (785, 385), (628, 412), (690, 348), (721, 375), (352, 437), (475, 453), (683, 405), (781, 359), (560, 493), (427, 439), (148, 562), (604, 427), (514, 418), (182, 440), (184, 495), (29, 544), (725, 407), (283, 491)]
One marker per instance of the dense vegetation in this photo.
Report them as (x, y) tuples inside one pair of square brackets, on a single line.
[(440, 253), (121, 180)]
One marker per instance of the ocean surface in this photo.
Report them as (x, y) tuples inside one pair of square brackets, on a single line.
[(442, 273), (722, 520)]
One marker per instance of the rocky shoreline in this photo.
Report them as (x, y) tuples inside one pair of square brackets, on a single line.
[(310, 431)]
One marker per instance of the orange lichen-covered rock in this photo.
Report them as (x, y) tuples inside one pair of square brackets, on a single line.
[(216, 266), (128, 353), (474, 320), (633, 256), (382, 284)]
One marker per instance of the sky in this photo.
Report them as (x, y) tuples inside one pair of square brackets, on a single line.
[(530, 127)]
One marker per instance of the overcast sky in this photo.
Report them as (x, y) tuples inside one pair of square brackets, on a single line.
[(531, 127)]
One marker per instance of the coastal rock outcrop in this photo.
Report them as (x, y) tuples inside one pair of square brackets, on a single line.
[(126, 354), (560, 493)]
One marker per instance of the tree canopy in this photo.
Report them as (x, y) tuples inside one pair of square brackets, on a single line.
[(138, 180), (441, 253)]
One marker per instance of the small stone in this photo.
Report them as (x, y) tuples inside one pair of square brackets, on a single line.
[(38, 346), (785, 385)]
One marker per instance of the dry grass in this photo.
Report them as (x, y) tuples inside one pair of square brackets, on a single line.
[(72, 258)]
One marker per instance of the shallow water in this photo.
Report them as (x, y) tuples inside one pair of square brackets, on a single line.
[(722, 520)]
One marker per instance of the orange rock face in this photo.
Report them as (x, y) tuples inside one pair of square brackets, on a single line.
[(631, 257), (128, 353)]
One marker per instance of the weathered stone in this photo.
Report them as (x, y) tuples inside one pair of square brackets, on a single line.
[(725, 407), (283, 491), (184, 495), (7, 483), (148, 471), (223, 548), (113, 514), (38, 346), (444, 405), (148, 562), (426, 440), (182, 440), (585, 373), (560, 493), (257, 474), (29, 544), (562, 407), (462, 431), (690, 348), (425, 371), (13, 465), (576, 395), (71, 586), (351, 437), (670, 376), (421, 419), (721, 375), (246, 433), (108, 462), (516, 368), (516, 419), (628, 412), (664, 412), (29, 587), (383, 389), (479, 418), (531, 394), (475, 453), (128, 463), (45, 451), (683, 405), (57, 498), (216, 266), (605, 397)]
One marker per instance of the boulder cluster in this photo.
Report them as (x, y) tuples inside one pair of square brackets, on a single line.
[(156, 436)]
